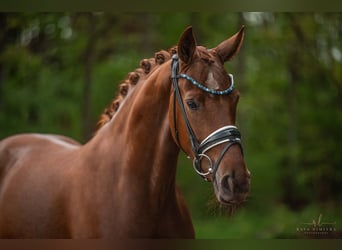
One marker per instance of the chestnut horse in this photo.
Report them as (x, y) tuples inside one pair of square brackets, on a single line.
[(121, 184)]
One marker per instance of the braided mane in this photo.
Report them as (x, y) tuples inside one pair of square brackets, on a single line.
[(133, 78)]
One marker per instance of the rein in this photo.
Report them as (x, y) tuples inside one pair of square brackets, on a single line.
[(227, 134)]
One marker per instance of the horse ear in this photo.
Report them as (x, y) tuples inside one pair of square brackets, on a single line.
[(230, 47), (186, 45)]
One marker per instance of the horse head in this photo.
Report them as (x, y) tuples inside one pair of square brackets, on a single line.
[(203, 115)]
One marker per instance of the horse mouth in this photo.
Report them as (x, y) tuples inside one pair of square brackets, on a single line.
[(228, 202), (227, 198), (231, 202)]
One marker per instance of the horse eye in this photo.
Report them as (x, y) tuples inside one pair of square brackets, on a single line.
[(192, 104)]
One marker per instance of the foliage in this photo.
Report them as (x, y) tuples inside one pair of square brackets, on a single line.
[(59, 70)]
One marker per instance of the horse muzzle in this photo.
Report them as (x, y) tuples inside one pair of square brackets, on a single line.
[(231, 190)]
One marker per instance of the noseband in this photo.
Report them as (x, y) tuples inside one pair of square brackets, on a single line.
[(226, 134)]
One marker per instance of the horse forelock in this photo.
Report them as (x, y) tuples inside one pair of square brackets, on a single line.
[(139, 75)]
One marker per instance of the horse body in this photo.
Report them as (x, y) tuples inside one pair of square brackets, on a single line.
[(88, 191), (122, 182), (33, 186)]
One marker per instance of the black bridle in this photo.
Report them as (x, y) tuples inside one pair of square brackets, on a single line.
[(226, 134)]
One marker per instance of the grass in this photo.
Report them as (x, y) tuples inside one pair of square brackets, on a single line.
[(275, 222)]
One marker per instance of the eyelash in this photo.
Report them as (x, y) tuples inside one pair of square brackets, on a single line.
[(192, 104)]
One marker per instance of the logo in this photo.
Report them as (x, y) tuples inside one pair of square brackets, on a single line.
[(317, 228)]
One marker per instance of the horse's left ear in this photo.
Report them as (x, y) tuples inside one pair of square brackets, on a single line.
[(186, 45), (230, 47)]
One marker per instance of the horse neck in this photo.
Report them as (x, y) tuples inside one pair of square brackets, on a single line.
[(137, 142)]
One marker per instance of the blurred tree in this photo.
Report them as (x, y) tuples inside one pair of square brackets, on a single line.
[(313, 163)]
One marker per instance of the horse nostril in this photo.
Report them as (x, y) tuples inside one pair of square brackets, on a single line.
[(227, 184)]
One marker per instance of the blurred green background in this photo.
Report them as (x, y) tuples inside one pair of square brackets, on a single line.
[(59, 70)]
